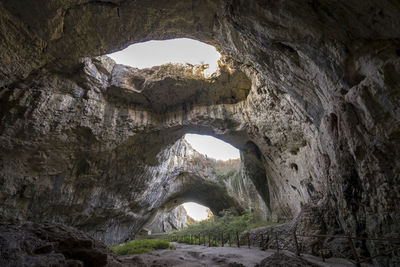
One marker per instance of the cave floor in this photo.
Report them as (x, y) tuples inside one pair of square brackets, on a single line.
[(195, 255)]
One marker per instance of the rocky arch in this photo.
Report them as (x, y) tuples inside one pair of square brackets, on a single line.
[(207, 194), (305, 61)]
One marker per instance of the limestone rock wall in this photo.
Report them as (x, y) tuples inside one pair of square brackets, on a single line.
[(316, 118), (167, 221), (50, 244), (332, 67)]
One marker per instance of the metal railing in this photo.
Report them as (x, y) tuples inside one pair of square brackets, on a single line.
[(279, 241)]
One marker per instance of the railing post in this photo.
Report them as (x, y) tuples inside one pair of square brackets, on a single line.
[(209, 239), (296, 244), (322, 255), (229, 239), (353, 248), (237, 238), (222, 238), (262, 242), (199, 239), (248, 239), (277, 243)]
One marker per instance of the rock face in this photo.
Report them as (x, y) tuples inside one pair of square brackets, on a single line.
[(308, 91), (233, 175), (168, 221), (224, 177), (313, 220), (49, 244)]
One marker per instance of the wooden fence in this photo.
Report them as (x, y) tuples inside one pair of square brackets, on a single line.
[(280, 241)]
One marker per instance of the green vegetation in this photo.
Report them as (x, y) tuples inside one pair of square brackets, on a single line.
[(142, 246), (223, 173), (195, 240), (228, 224), (224, 170)]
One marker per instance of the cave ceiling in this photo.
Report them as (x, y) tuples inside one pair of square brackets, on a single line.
[(308, 91)]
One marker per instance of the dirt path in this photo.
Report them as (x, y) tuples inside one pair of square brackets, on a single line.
[(194, 255)]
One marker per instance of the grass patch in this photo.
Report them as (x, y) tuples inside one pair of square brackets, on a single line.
[(142, 246)]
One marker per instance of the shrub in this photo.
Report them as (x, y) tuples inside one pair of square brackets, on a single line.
[(227, 223), (194, 240), (142, 246)]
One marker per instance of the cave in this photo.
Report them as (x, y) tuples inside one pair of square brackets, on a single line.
[(308, 91)]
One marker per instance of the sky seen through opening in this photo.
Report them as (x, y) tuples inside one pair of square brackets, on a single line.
[(181, 50), (213, 148), (196, 211), (156, 53)]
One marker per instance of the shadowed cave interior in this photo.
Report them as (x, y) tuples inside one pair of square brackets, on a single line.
[(92, 150)]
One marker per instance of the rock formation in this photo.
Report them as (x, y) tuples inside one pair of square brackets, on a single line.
[(174, 219), (308, 91), (49, 244), (222, 179)]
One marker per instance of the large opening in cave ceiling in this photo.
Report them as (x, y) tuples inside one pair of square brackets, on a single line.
[(176, 51), (197, 77), (212, 147)]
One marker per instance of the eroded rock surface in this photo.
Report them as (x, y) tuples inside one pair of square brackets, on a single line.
[(314, 108), (166, 221), (49, 244)]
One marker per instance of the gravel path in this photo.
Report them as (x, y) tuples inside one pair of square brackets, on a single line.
[(194, 255)]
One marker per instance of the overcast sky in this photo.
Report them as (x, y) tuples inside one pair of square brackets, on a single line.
[(155, 53), (196, 211), (212, 147)]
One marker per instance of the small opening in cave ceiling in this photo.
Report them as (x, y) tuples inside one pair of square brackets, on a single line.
[(196, 211), (156, 53), (212, 147)]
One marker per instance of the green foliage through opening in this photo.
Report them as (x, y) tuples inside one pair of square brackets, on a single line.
[(227, 224)]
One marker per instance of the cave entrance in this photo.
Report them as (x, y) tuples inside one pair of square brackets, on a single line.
[(206, 185), (197, 212), (177, 51), (177, 218)]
